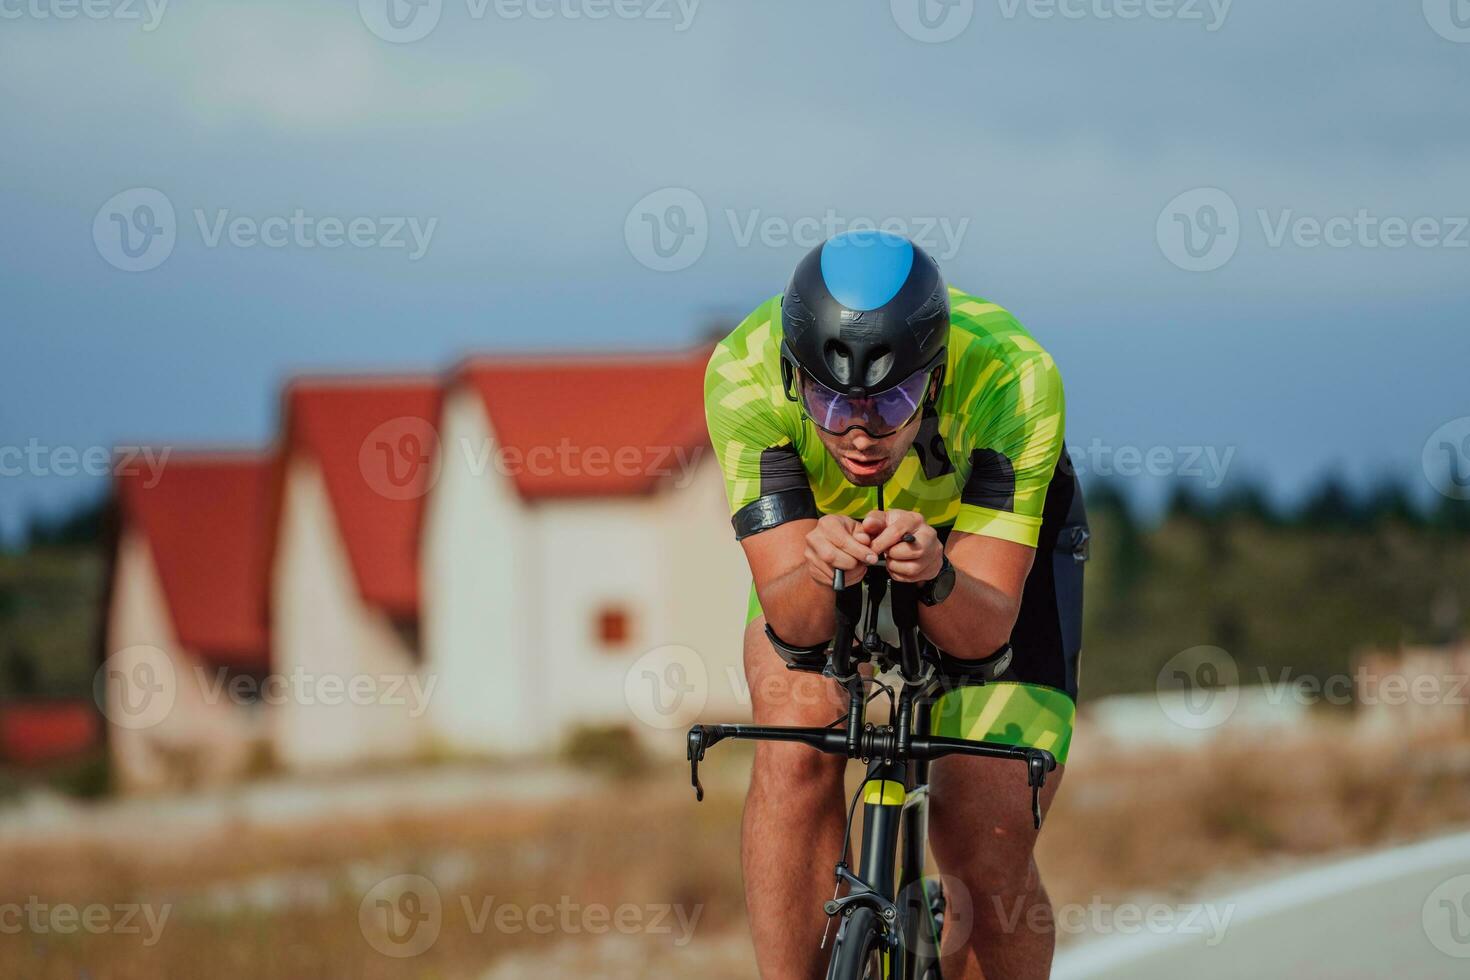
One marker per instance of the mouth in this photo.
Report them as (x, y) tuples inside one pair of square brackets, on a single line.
[(864, 467)]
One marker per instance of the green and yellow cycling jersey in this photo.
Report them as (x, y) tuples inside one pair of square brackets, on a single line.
[(984, 456), (987, 460)]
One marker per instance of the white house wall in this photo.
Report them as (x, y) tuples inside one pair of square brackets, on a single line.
[(203, 736), (481, 602), (707, 582), (325, 633)]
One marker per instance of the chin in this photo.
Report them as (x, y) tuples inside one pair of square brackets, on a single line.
[(872, 479)]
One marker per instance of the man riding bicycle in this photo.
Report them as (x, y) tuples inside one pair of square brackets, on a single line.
[(871, 411)]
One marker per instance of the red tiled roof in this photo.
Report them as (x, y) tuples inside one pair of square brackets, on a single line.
[(204, 521), (599, 425), (372, 438), (43, 730)]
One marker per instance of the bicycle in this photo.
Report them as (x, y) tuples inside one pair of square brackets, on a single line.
[(890, 920)]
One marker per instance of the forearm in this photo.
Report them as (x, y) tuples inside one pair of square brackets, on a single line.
[(973, 622), (800, 611)]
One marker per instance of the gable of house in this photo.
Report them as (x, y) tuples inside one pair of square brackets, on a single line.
[(592, 425), (202, 517), (374, 443)]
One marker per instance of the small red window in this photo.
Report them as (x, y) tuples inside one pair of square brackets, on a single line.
[(614, 628)]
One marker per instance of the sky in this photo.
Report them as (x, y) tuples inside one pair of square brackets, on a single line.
[(1240, 227)]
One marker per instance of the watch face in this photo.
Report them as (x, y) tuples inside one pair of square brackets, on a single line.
[(941, 586)]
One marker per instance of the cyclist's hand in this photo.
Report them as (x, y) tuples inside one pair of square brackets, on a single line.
[(836, 542), (918, 561)]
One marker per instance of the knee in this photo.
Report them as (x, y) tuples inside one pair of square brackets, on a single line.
[(993, 869), (797, 772)]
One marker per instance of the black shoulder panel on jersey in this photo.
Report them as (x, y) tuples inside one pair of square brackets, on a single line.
[(929, 447), (782, 469), (992, 481), (773, 510)]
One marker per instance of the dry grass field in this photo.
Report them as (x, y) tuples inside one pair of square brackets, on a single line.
[(630, 878)]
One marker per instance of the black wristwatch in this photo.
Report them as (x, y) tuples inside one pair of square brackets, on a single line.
[(938, 588)]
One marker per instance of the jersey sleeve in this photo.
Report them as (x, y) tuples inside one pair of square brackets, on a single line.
[(765, 480), (1020, 424)]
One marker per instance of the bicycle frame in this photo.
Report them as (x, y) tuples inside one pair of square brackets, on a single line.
[(895, 790)]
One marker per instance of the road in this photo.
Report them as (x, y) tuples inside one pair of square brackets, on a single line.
[(1402, 913)]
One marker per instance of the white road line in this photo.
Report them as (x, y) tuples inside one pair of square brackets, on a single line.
[(1272, 898)]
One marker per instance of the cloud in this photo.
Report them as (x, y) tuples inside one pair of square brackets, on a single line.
[(292, 67)]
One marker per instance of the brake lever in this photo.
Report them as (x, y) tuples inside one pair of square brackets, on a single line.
[(696, 749), (1038, 764)]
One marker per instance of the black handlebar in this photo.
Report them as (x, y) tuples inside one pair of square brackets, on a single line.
[(856, 740)]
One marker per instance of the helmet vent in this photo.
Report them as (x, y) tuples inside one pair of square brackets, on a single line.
[(839, 360), (880, 362)]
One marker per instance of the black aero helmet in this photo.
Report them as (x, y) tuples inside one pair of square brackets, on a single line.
[(866, 314)]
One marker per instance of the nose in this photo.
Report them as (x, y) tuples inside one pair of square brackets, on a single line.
[(861, 441)]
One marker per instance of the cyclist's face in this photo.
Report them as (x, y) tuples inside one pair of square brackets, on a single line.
[(866, 461)]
